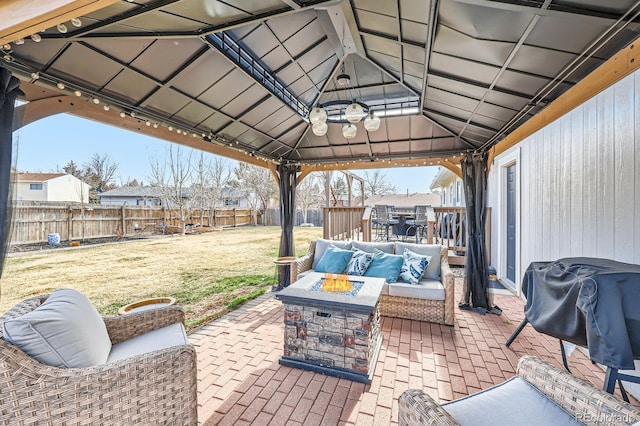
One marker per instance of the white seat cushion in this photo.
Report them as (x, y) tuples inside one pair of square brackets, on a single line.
[(514, 402), (425, 289), (66, 331), (162, 338)]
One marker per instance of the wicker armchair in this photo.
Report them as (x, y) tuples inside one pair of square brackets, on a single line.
[(153, 388), (579, 399)]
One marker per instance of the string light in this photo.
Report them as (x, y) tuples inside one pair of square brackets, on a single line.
[(36, 38), (19, 41), (122, 114), (35, 75), (77, 93), (76, 22), (106, 108), (60, 86), (62, 28)]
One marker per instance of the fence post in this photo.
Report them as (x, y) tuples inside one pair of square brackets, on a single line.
[(69, 223), (234, 217), (124, 225)]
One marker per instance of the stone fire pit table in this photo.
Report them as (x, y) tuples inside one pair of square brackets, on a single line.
[(332, 333)]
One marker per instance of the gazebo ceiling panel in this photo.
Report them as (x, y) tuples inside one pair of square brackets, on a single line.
[(458, 44), (217, 96), (308, 35), (382, 46), (157, 21), (210, 12), (216, 121), (167, 101), (39, 54), (384, 7), (414, 31), (202, 73), (575, 31), (288, 26), (261, 40), (379, 23), (414, 10), (463, 68), (123, 50), (78, 62), (166, 57), (273, 120), (267, 108), (114, 9), (246, 100), (129, 86), (483, 21), (193, 113)]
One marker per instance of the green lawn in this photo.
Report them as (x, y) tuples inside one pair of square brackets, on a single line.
[(207, 273)]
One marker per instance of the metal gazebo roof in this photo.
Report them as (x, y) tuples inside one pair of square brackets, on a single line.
[(240, 77)]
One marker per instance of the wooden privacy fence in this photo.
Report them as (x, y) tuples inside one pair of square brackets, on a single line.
[(33, 223)]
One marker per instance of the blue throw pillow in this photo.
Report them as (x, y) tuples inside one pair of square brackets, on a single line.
[(385, 266), (334, 260), (360, 261), (413, 266)]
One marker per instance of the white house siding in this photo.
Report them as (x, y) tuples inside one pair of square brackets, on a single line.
[(67, 188), (579, 184), (23, 192)]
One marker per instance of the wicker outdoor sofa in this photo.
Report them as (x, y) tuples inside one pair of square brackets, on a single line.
[(432, 300), (540, 394), (156, 387)]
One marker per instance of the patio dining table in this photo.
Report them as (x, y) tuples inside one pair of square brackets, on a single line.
[(402, 228)]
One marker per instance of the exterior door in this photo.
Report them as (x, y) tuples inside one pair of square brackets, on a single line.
[(510, 186)]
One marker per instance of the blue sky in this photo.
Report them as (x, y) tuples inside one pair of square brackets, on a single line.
[(52, 142)]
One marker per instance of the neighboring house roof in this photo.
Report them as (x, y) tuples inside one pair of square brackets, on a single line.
[(443, 179), (133, 191), (404, 200), (36, 177)]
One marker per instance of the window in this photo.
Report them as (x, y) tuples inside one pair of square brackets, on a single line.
[(231, 202), (35, 186)]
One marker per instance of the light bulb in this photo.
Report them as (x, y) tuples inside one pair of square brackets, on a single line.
[(155, 125), (122, 114), (354, 112), (318, 115), (319, 129), (6, 46), (133, 114), (7, 58), (35, 75), (170, 128), (148, 123), (95, 101), (76, 22), (36, 38), (20, 41), (106, 108), (62, 28), (349, 131), (60, 86), (372, 122), (77, 93)]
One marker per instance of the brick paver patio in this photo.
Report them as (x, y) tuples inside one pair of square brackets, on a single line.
[(240, 381)]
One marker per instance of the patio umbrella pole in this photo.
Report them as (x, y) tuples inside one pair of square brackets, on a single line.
[(287, 174), (9, 90)]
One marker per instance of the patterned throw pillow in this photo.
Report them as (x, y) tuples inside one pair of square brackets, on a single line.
[(359, 262), (413, 266)]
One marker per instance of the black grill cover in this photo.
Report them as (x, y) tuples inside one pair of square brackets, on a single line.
[(589, 302)]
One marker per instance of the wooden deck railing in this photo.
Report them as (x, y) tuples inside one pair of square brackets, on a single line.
[(346, 223), (447, 226)]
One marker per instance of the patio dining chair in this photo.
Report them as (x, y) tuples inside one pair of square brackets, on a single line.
[(419, 222), (384, 215)]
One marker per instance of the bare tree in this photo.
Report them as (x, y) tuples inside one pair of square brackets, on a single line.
[(256, 184), (376, 183), (219, 175), (308, 193), (99, 173), (173, 176)]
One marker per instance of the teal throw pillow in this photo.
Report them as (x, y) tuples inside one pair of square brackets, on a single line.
[(360, 261), (413, 266), (334, 260), (385, 266)]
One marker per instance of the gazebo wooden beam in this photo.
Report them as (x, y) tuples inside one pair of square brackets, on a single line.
[(21, 18), (43, 102), (616, 68)]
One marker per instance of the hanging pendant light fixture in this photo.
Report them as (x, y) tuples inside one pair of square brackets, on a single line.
[(349, 112)]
